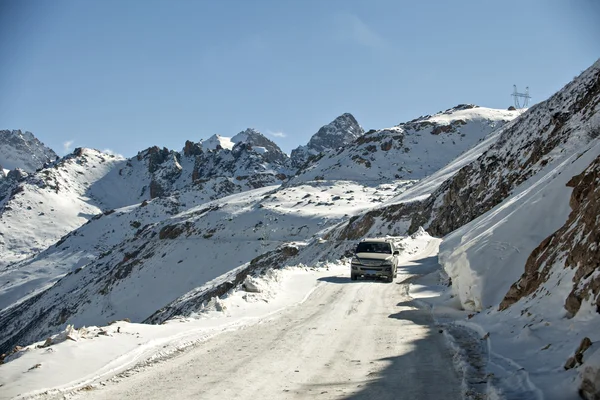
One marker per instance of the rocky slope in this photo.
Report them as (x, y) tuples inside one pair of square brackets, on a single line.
[(253, 160), (527, 267), (548, 133), (248, 160), (574, 246), (23, 150)]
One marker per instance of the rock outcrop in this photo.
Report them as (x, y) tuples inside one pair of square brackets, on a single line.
[(253, 159)]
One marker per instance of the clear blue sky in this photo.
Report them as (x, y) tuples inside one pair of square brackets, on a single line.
[(126, 75)]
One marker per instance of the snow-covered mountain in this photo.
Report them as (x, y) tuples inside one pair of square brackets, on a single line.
[(340, 132), (23, 150), (65, 194), (149, 190), (252, 159), (515, 196), (525, 173), (412, 150), (37, 209)]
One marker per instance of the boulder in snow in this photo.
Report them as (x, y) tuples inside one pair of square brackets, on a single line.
[(589, 378), (249, 285), (577, 359)]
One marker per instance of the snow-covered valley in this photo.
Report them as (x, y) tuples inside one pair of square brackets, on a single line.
[(230, 241)]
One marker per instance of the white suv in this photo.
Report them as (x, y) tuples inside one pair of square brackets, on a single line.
[(376, 258)]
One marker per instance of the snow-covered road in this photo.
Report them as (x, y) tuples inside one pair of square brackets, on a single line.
[(350, 340)]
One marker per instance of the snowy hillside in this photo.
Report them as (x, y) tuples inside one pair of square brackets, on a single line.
[(412, 150), (547, 133), (40, 208), (525, 171), (68, 193), (23, 150), (136, 261)]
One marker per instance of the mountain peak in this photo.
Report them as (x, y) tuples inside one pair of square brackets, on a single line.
[(23, 150), (216, 142), (246, 136), (341, 131), (253, 139)]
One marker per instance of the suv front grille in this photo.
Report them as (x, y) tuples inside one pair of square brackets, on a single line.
[(370, 263)]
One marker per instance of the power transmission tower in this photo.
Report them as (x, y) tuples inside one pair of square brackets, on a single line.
[(521, 96)]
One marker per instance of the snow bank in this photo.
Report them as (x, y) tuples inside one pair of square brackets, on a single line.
[(484, 257), (589, 377), (76, 358)]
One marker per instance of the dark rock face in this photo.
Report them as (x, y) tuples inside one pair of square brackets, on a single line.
[(192, 149), (163, 168), (17, 174), (156, 157), (23, 150), (577, 358), (340, 132), (253, 159), (575, 245), (483, 184), (254, 140)]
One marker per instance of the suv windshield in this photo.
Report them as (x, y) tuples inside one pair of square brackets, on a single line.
[(366, 247)]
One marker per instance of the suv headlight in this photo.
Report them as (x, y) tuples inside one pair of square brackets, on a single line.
[(387, 263), (355, 261)]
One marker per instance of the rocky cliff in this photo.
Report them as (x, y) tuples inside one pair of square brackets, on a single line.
[(340, 132), (23, 150)]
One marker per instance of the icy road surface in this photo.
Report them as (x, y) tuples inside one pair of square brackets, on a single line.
[(349, 340)]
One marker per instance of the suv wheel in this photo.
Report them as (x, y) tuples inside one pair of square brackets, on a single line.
[(390, 279), (352, 277)]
